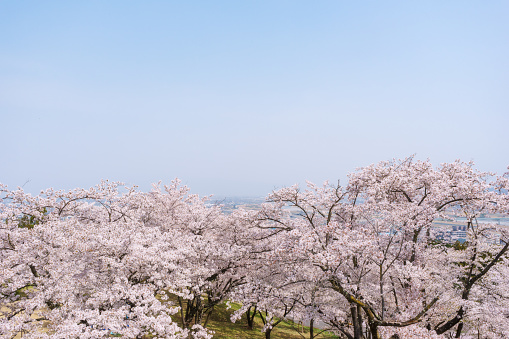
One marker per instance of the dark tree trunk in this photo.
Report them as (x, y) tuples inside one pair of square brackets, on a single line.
[(359, 320), (458, 331), (250, 318), (208, 317), (373, 330), (193, 311), (451, 323), (357, 330)]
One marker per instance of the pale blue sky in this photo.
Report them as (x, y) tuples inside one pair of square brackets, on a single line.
[(240, 97)]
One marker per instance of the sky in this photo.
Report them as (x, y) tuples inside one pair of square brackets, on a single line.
[(237, 98)]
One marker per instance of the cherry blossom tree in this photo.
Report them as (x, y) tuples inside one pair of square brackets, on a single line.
[(87, 263), (372, 242)]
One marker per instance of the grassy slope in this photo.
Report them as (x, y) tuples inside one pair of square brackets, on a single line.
[(220, 323)]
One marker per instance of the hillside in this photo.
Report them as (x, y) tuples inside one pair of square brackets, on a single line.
[(220, 323)]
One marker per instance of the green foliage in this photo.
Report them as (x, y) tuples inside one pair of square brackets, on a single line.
[(29, 221), (458, 246), (23, 292)]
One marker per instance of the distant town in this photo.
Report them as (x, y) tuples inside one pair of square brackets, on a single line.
[(448, 230)]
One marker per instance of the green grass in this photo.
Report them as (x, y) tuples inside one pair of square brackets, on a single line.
[(224, 329)]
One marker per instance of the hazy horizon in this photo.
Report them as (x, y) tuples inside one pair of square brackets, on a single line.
[(239, 98)]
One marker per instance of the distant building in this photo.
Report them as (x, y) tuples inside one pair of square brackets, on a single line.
[(460, 236)]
